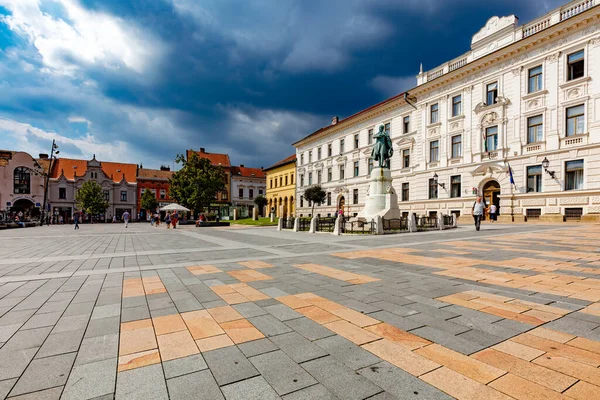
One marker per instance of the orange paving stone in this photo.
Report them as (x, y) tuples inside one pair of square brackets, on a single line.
[(339, 274), (176, 345), (203, 269), (518, 350), (461, 387), (224, 314), (352, 332), (552, 335), (137, 360), (256, 264), (241, 331), (222, 289), (136, 337), (556, 348), (201, 325), (139, 324), (472, 368), (583, 391), (292, 302), (238, 293), (318, 315), (249, 275), (527, 370), (213, 343), (355, 317), (593, 309), (168, 324), (153, 285), (401, 357), (233, 298), (133, 287), (250, 293), (585, 344), (397, 335), (520, 388)]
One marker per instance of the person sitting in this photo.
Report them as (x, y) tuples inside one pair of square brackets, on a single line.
[(19, 223)]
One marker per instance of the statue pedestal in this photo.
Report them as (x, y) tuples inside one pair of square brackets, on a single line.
[(382, 200)]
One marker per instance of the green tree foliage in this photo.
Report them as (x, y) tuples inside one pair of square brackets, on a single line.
[(261, 202), (90, 198), (315, 194), (148, 201), (197, 183)]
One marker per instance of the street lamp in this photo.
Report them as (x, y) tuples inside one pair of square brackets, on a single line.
[(545, 165), (53, 152), (435, 180)]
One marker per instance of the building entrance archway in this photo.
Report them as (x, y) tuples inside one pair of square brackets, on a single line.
[(491, 194), (27, 207)]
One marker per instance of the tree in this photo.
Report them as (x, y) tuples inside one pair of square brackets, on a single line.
[(197, 183), (315, 194), (90, 198), (148, 201), (261, 202)]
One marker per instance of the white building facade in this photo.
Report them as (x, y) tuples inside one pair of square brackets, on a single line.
[(246, 185), (525, 98)]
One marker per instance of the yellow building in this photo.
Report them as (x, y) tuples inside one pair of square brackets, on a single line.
[(281, 187)]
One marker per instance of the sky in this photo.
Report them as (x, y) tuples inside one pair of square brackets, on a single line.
[(141, 81)]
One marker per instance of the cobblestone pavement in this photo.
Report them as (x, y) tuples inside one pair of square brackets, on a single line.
[(252, 313)]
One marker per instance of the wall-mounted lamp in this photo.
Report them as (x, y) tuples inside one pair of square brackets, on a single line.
[(545, 165), (435, 180)]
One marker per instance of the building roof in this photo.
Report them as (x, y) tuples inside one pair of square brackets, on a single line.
[(69, 167), (146, 173), (285, 161), (247, 172), (6, 156), (214, 158)]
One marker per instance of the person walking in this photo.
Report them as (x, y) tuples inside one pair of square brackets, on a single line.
[(126, 216), (157, 219), (168, 220), (174, 219), (76, 220), (493, 211), (478, 210)]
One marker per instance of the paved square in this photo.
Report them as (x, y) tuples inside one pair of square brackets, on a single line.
[(244, 313)]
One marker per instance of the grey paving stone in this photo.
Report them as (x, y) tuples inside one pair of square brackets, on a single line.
[(188, 305), (200, 384), (269, 325), (267, 302), (396, 320), (102, 327), (144, 383), (347, 352), (257, 347), (273, 292), (27, 339), (573, 326), (448, 340), (72, 323), (156, 303), (183, 366), (341, 380), (594, 319), (54, 306), (6, 331), (60, 343), (249, 310), (229, 365), (79, 309), (135, 313), (135, 301), (440, 313), (16, 317), (315, 392), (165, 311), (251, 389), (482, 338), (282, 312), (44, 373), (360, 306), (14, 362), (309, 329), (5, 387), (41, 320), (47, 394), (426, 300), (98, 348), (91, 380), (106, 311), (282, 373), (514, 325), (298, 347), (438, 323)]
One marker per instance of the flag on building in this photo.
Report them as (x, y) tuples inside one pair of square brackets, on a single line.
[(510, 173), (485, 145)]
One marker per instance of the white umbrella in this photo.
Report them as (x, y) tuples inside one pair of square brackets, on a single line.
[(174, 207)]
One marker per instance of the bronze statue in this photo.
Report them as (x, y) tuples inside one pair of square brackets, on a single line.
[(382, 150)]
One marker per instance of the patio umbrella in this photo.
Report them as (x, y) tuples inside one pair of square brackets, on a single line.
[(174, 207)]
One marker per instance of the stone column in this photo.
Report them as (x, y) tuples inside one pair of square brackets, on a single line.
[(379, 225), (337, 228), (255, 214), (280, 224), (296, 224), (235, 214), (440, 219), (272, 217), (313, 225), (412, 223)]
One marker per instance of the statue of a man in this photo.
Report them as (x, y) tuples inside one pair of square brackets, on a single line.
[(382, 150)]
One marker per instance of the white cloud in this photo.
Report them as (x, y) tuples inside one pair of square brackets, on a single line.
[(81, 120), (81, 37), (393, 85)]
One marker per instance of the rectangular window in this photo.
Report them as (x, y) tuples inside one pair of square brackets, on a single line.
[(534, 178), (387, 128), (301, 201), (62, 193), (370, 165), (328, 198), (224, 196), (455, 186), (535, 129), (329, 150), (356, 141), (310, 178), (574, 175), (406, 124), (301, 159), (355, 196), (406, 158), (271, 184), (250, 194), (370, 136), (575, 120), (106, 195), (281, 181), (405, 192), (329, 174), (433, 114), (433, 189), (319, 177), (319, 153), (291, 179), (491, 93), (491, 138), (456, 105), (341, 172), (575, 65), (163, 194), (310, 156), (123, 195), (434, 151), (260, 192), (456, 146), (535, 79), (301, 180), (341, 146), (286, 180), (356, 169), (241, 193)]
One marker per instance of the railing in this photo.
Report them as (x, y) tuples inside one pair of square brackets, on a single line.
[(288, 223), (358, 227), (325, 224), (533, 213), (427, 223), (574, 141), (435, 74), (394, 225), (535, 147), (447, 220), (304, 224), (576, 9), (536, 27), (457, 64), (573, 214)]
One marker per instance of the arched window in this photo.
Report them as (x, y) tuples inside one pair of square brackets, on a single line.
[(22, 180)]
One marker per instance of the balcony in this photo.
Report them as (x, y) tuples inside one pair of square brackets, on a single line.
[(574, 141)]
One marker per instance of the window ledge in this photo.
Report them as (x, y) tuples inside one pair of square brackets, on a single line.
[(534, 147), (434, 125), (575, 140), (534, 94), (455, 160), (433, 164), (574, 82), (456, 118)]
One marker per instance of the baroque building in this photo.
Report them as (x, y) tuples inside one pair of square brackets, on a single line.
[(246, 185), (524, 100), (281, 187), (156, 181)]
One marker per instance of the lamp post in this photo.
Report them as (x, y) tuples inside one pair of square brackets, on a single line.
[(545, 165), (435, 180), (52, 156)]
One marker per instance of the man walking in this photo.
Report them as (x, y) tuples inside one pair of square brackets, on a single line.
[(126, 218), (76, 220), (493, 211), (478, 210)]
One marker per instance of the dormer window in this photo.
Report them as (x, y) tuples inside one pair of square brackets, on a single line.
[(491, 93)]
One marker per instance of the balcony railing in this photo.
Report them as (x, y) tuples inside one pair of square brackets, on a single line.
[(575, 9), (531, 29)]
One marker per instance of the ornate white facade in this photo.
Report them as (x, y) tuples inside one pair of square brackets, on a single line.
[(529, 92)]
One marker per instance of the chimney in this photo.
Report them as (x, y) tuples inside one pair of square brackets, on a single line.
[(202, 150), (43, 156), (165, 168), (241, 165), (335, 120)]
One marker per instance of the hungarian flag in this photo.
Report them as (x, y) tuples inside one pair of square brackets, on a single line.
[(510, 174), (485, 146)]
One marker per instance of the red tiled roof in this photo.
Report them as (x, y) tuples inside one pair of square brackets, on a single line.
[(285, 161), (215, 158), (247, 172), (154, 174), (69, 167)]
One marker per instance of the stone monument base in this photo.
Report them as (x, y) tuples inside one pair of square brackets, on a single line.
[(382, 200)]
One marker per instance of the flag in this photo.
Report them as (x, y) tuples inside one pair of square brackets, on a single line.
[(510, 173), (485, 146)]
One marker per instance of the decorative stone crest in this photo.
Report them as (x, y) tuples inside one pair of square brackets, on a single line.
[(573, 93), (516, 71), (489, 118), (553, 57), (533, 104)]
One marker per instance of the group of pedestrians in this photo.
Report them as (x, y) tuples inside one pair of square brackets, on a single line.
[(170, 219), (479, 209)]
